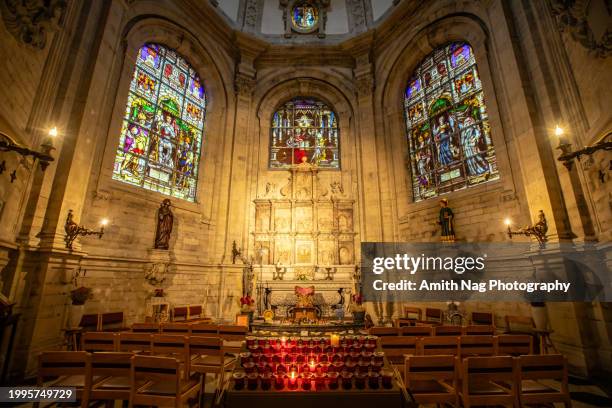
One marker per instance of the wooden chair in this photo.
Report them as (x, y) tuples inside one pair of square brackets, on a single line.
[(433, 315), (519, 324), (402, 322), (448, 331), (204, 329), (489, 381), (532, 369), (114, 369), (196, 313), (207, 355), (112, 322), (432, 379), (99, 341), (145, 328), (479, 330), (135, 342), (413, 313), (514, 344), (416, 331), (437, 345), (382, 331), (477, 346), (162, 381), (397, 347), (180, 313), (176, 328), (482, 318), (68, 369), (233, 332), (90, 322)]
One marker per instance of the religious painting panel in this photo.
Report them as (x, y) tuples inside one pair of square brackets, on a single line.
[(283, 250), (282, 222), (326, 220), (303, 252)]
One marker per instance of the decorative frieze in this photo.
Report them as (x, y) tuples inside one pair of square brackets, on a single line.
[(29, 20)]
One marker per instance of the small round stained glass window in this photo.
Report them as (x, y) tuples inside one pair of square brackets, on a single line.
[(305, 16)]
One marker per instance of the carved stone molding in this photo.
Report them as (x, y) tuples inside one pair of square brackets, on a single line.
[(365, 84), (251, 15), (585, 21), (29, 20), (357, 16), (244, 85)]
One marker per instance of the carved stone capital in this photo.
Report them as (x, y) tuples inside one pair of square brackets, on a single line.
[(244, 85), (365, 84), (29, 20)]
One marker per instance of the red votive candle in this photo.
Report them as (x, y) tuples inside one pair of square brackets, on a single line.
[(376, 366), (267, 350), (347, 380), (338, 366), (255, 356), (263, 367), (312, 366), (250, 341), (323, 358), (249, 367), (261, 342), (293, 341), (279, 381), (300, 358), (348, 340), (281, 368), (292, 382), (266, 381), (355, 356), (323, 368), (252, 381), (372, 340), (332, 380), (366, 356), (238, 378), (306, 381), (287, 358), (364, 367), (387, 378), (320, 381), (373, 381), (277, 358), (350, 366), (360, 380), (245, 357), (379, 356)]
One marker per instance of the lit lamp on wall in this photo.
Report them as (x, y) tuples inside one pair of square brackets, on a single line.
[(538, 230), (567, 155), (73, 230)]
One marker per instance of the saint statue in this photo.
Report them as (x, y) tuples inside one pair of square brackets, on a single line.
[(446, 221), (165, 219)]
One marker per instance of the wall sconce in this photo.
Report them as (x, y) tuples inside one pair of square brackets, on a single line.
[(8, 144), (538, 230), (73, 230), (567, 155)]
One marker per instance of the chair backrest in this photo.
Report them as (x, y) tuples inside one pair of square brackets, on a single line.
[(90, 322), (489, 369), (448, 331), (482, 318), (136, 342), (433, 315), (164, 370), (201, 345), (413, 313), (542, 367), (99, 341), (477, 346), (233, 332), (436, 345), (481, 377), (204, 329), (114, 319), (514, 344), (402, 322), (395, 347), (416, 331), (62, 363), (145, 327), (165, 344), (519, 324), (195, 311), (175, 328), (479, 329), (111, 364), (180, 313), (382, 331), (424, 368)]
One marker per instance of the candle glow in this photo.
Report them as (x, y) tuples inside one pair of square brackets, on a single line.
[(559, 131), (53, 131)]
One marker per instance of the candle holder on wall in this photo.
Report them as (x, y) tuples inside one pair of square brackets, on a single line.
[(8, 144), (567, 155), (73, 230), (538, 230)]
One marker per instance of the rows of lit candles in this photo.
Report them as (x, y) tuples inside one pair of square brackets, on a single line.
[(307, 381), (310, 345)]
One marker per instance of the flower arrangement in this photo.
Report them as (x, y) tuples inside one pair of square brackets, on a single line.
[(357, 304), (247, 304), (80, 294)]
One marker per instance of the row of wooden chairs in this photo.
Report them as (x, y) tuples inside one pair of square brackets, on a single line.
[(226, 331), (112, 321), (397, 347), (188, 313), (500, 380), (414, 315), (425, 330), (172, 365)]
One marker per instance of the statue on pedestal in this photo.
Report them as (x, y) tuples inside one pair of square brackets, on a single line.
[(446, 222), (165, 220)]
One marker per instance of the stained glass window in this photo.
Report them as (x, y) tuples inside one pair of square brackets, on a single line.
[(447, 123), (304, 130), (305, 16), (161, 136)]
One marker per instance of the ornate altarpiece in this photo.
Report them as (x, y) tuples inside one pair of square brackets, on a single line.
[(304, 235)]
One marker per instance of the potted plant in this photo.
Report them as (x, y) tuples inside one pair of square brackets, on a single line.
[(247, 307), (78, 296), (358, 309)]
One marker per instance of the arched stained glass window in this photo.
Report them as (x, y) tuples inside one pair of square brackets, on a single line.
[(304, 130), (161, 136), (447, 123)]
